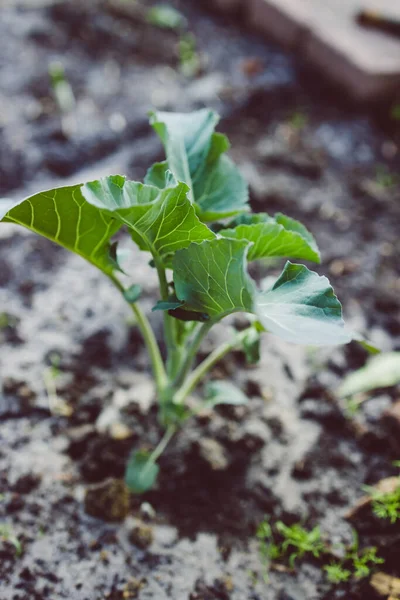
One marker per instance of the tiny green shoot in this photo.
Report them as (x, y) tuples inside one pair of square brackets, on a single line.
[(386, 504), (290, 543), (165, 16), (61, 87), (172, 217), (189, 58), (7, 535)]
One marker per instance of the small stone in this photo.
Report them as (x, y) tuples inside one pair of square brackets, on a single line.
[(147, 512), (214, 454), (25, 392), (108, 500), (141, 535), (133, 587), (120, 431), (386, 585)]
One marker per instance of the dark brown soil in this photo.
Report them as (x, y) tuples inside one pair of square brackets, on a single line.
[(292, 453)]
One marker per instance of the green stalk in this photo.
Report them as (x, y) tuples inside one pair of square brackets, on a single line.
[(192, 352), (148, 337), (200, 371), (162, 444), (173, 352)]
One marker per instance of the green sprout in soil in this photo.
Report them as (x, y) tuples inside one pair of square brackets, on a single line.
[(289, 543), (191, 219), (189, 58), (7, 535), (386, 505), (165, 16), (294, 542)]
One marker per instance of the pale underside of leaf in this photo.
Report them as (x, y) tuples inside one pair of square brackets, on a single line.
[(380, 371), (302, 308)]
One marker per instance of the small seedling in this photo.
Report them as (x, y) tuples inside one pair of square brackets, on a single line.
[(7, 535), (336, 573), (386, 504), (286, 543), (385, 178), (189, 58), (165, 16), (294, 542), (61, 87), (298, 120), (173, 218)]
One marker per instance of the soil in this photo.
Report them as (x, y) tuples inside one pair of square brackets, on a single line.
[(293, 453)]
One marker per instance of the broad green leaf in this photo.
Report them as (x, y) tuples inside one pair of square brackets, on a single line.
[(132, 294), (302, 308), (223, 392), (160, 221), (211, 277), (141, 472), (63, 216), (380, 371), (186, 138), (278, 236), (221, 192), (195, 155)]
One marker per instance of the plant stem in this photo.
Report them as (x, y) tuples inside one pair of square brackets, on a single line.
[(199, 372), (192, 352), (162, 444), (169, 325), (149, 339)]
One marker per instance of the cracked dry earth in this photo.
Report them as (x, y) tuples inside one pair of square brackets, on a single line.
[(292, 453)]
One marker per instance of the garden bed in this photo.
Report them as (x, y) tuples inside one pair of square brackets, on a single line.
[(293, 453)]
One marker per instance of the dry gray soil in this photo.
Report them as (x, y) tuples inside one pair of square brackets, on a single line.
[(293, 453)]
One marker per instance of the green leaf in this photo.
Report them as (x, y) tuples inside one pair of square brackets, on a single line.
[(132, 294), (302, 308), (63, 216), (223, 392), (141, 472), (160, 176), (195, 156), (278, 236), (221, 192), (211, 277), (167, 305), (165, 17), (160, 221), (383, 370)]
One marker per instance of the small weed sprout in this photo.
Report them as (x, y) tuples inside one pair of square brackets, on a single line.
[(7, 535), (192, 219), (386, 505), (294, 542), (336, 573)]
